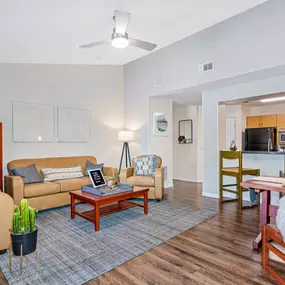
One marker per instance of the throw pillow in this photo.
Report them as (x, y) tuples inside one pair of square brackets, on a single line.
[(52, 174), (155, 159), (145, 165), (90, 165), (29, 174)]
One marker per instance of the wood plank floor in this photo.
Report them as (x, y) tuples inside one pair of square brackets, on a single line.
[(217, 251)]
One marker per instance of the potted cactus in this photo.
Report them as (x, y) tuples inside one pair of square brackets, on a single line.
[(24, 231), (111, 183)]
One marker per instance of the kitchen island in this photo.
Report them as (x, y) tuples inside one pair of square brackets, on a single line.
[(264, 152), (270, 163)]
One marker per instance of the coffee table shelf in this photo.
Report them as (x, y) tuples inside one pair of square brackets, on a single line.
[(106, 205), (107, 210)]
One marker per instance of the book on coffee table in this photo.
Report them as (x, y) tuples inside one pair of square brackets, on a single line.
[(105, 190)]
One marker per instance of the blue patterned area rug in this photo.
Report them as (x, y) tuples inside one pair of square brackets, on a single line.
[(70, 252)]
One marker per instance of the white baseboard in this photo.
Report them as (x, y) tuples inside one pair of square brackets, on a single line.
[(168, 185), (227, 195), (211, 195), (186, 180)]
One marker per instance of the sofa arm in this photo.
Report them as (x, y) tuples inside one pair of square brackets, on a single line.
[(109, 171), (159, 183), (14, 186), (125, 173)]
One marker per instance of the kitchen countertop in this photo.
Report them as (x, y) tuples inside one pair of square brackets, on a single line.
[(264, 152)]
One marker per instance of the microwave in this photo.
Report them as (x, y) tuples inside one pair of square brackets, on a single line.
[(281, 136)]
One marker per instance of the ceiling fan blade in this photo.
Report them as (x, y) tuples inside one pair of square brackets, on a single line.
[(141, 44), (121, 21), (95, 44)]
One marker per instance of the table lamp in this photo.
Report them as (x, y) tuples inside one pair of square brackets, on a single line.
[(125, 137)]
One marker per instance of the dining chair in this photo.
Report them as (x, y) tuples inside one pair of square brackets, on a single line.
[(237, 172), (272, 246)]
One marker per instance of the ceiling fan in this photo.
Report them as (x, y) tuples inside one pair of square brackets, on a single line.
[(120, 38)]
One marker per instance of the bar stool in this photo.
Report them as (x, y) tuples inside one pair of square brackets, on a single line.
[(238, 172)]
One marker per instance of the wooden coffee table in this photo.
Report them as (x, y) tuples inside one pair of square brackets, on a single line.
[(115, 203)]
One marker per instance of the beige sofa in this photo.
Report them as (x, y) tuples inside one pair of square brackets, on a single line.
[(154, 183), (50, 194), (6, 215)]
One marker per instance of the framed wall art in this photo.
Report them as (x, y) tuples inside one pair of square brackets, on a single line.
[(161, 124), (32, 122), (72, 125)]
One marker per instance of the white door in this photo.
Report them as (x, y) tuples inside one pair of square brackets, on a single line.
[(231, 130)]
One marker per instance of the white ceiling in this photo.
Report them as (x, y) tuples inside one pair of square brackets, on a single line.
[(49, 31)]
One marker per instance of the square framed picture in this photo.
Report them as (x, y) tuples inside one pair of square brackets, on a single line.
[(161, 124)]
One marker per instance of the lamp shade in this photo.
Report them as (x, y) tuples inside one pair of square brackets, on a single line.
[(125, 136)]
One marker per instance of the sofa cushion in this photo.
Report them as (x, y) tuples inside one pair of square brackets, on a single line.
[(40, 189), (29, 174), (69, 184), (85, 180), (141, 181), (74, 184)]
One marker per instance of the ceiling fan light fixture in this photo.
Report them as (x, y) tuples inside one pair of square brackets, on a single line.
[(119, 37), (120, 42)]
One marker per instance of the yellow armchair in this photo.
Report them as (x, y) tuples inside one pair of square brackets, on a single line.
[(154, 183)]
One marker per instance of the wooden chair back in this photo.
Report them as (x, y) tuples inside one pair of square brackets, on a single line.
[(231, 155), (269, 234)]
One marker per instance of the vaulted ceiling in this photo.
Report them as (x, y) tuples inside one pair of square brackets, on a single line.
[(50, 31)]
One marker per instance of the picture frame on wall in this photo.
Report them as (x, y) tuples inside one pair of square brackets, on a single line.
[(73, 125), (161, 124), (32, 123)]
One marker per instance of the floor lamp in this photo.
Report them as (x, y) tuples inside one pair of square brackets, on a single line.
[(125, 137)]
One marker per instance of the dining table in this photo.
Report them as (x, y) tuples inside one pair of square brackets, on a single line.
[(267, 210)]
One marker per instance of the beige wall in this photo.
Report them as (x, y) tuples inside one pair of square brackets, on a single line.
[(162, 145), (184, 162), (97, 88), (222, 115), (200, 146), (185, 157)]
